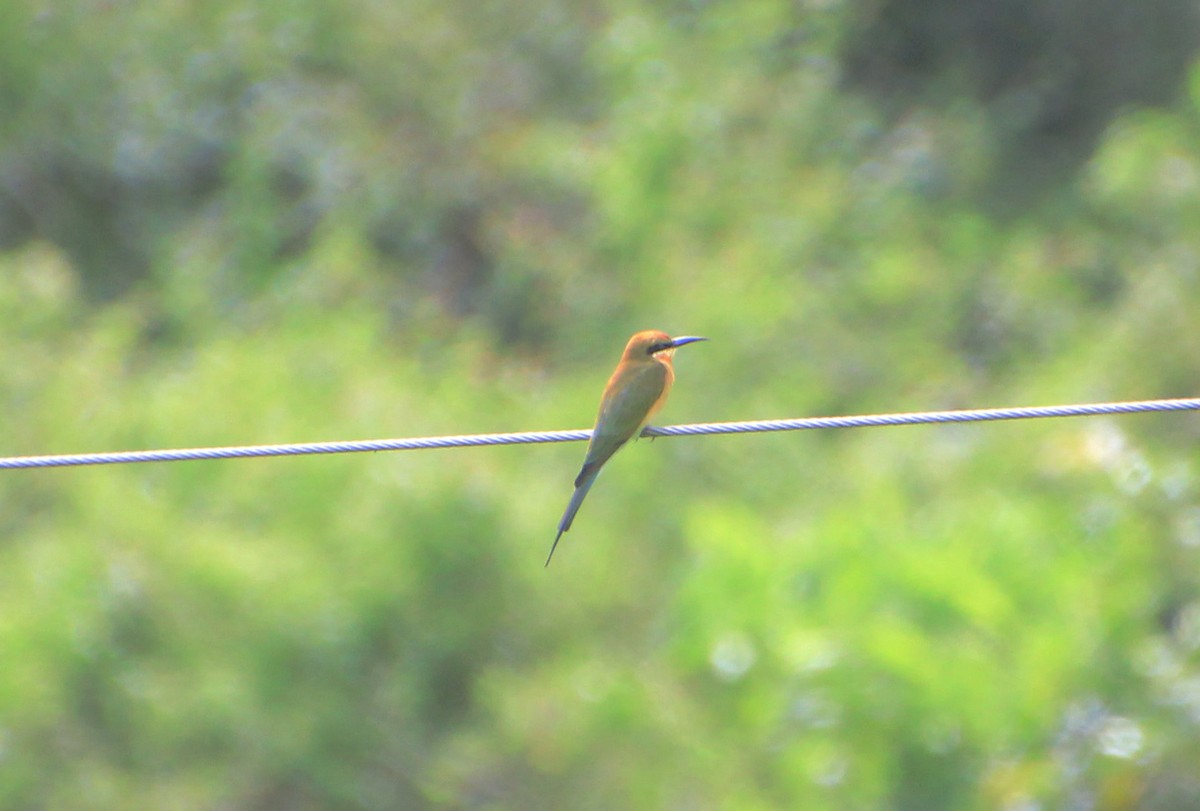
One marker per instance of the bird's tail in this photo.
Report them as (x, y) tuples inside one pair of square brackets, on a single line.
[(587, 478)]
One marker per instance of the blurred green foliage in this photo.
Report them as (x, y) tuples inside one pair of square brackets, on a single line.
[(225, 223)]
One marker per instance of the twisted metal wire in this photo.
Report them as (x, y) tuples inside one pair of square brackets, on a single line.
[(536, 437)]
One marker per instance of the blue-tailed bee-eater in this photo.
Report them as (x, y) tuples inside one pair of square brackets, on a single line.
[(635, 392)]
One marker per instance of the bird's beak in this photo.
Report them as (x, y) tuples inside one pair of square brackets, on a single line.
[(686, 339)]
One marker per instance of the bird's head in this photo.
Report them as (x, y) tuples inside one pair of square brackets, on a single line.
[(653, 343)]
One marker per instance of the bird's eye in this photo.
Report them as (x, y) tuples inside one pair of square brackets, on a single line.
[(659, 347)]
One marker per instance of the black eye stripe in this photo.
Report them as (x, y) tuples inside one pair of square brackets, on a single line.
[(658, 347)]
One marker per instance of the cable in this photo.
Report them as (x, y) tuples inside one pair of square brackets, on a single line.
[(535, 437)]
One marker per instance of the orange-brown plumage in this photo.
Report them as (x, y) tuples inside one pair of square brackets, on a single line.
[(636, 391)]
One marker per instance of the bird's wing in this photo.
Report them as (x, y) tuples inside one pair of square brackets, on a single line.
[(626, 407), (623, 412), (629, 398)]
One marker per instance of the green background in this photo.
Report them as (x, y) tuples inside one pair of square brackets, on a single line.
[(240, 223)]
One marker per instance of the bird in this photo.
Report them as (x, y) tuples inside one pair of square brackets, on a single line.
[(636, 391)]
